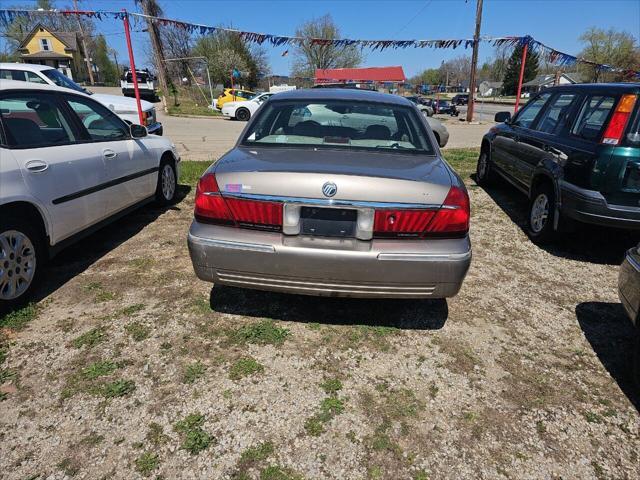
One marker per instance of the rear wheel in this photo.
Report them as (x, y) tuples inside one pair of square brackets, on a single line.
[(541, 214), (22, 257), (167, 183), (243, 114)]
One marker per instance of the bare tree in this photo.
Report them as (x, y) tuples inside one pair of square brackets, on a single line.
[(178, 43), (309, 57), (153, 9), (456, 70)]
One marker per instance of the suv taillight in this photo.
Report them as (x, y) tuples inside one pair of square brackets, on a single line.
[(451, 220), (212, 207), (617, 124)]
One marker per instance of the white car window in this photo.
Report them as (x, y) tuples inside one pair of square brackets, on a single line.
[(34, 78), (101, 123), (34, 120)]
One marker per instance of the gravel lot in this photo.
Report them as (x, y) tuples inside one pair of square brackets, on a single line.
[(128, 366)]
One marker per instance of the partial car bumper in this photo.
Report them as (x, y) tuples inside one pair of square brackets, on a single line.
[(329, 266), (155, 128), (629, 284), (590, 206), (227, 112)]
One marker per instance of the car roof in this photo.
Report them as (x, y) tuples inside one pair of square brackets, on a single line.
[(31, 67), (598, 87), (347, 94), (19, 85)]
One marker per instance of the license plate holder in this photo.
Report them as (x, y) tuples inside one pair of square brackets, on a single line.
[(328, 222)]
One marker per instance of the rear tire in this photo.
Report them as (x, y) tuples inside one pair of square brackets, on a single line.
[(167, 182), (541, 214), (243, 114), (22, 259)]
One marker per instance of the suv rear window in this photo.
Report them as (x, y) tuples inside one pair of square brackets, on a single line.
[(593, 117)]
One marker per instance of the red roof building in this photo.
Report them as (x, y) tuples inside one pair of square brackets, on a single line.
[(370, 74)]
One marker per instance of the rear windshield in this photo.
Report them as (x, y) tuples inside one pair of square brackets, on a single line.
[(339, 124)]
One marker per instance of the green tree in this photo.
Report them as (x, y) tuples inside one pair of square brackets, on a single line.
[(107, 70), (308, 57), (430, 76), (226, 51), (512, 72), (611, 47)]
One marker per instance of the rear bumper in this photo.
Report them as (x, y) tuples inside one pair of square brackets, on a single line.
[(145, 92), (629, 284), (590, 206), (329, 267)]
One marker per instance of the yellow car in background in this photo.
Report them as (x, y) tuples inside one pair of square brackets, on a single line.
[(233, 95)]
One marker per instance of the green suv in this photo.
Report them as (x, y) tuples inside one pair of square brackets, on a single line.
[(574, 150)]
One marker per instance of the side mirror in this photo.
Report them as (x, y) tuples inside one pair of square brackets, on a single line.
[(138, 131), (502, 117)]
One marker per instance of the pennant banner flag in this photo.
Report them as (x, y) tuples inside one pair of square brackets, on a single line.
[(549, 54)]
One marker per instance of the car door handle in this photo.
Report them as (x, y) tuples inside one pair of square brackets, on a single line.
[(109, 154), (36, 166)]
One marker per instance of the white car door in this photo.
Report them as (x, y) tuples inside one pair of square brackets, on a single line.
[(58, 170), (131, 167)]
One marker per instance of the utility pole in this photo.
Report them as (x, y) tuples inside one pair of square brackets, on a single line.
[(84, 44), (474, 61)]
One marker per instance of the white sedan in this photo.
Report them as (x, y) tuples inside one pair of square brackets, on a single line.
[(243, 110), (68, 166)]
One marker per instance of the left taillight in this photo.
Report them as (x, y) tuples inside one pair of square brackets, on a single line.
[(615, 129), (212, 207)]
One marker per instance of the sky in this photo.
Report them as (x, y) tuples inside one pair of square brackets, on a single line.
[(557, 23)]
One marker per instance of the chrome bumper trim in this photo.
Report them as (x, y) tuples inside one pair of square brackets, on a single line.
[(329, 202), (251, 247), (633, 262), (425, 257)]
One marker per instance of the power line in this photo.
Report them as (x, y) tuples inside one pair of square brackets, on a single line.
[(414, 17)]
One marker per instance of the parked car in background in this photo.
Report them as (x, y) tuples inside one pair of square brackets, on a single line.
[(243, 110), (629, 292), (460, 99), (574, 150), (68, 165), (147, 84), (233, 95), (333, 192), (442, 106), (427, 110), (439, 131), (126, 108)]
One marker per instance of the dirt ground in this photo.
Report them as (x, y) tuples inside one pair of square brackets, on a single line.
[(128, 366)]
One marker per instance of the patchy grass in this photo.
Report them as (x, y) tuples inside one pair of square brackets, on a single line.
[(92, 440), (244, 367), (131, 309), (329, 408), (142, 263), (138, 331), (261, 333), (118, 388), (463, 160), (147, 463), (18, 319), (89, 339), (156, 435), (331, 386), (100, 293), (193, 372), (275, 472), (99, 369), (252, 458), (194, 438), (190, 173)]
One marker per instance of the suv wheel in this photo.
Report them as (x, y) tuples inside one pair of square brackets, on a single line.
[(484, 175), (167, 183), (541, 214), (243, 114), (21, 260)]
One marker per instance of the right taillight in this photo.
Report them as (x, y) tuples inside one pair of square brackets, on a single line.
[(453, 217), (617, 124)]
